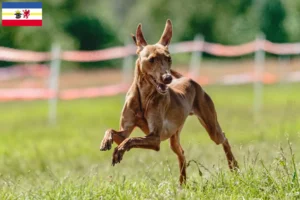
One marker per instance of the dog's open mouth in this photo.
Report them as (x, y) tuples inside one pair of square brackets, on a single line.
[(160, 87)]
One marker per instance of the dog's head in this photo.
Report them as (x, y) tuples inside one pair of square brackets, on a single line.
[(155, 60)]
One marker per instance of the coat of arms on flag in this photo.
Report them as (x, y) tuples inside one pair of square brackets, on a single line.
[(22, 14)]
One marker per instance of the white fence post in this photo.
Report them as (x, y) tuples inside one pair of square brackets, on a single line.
[(53, 82), (196, 57), (127, 66), (258, 75)]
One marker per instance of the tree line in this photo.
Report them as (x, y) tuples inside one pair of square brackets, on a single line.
[(92, 24)]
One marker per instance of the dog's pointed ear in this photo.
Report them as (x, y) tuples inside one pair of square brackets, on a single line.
[(139, 37), (167, 34)]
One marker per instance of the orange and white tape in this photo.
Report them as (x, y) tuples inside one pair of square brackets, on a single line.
[(14, 55), (112, 90)]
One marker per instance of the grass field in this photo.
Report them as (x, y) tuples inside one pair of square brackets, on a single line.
[(38, 161)]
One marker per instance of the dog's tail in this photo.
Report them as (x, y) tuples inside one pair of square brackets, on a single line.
[(176, 74)]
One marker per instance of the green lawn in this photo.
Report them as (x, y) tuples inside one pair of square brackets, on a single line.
[(38, 161)]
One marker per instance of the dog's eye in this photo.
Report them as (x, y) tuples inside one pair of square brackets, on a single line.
[(151, 60)]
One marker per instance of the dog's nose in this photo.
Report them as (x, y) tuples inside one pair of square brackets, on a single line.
[(167, 78)]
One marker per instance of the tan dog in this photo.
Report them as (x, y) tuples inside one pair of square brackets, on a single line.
[(159, 104)]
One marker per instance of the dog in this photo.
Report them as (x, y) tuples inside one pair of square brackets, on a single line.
[(158, 102)]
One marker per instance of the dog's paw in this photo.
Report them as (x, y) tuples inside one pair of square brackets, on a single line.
[(105, 144), (107, 141), (117, 156), (233, 166)]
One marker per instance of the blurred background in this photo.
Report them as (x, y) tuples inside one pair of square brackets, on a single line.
[(63, 84), (91, 24), (94, 25)]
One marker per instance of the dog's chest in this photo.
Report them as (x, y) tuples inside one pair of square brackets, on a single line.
[(169, 128)]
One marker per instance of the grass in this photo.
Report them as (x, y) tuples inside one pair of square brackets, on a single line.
[(39, 161)]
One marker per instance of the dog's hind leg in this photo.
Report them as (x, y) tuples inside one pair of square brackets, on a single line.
[(176, 147), (204, 108)]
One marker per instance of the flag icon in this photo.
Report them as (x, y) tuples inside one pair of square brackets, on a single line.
[(22, 14)]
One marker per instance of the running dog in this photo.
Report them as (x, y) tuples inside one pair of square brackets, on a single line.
[(158, 102)]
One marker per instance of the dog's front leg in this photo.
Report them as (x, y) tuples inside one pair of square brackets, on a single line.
[(127, 125), (111, 136), (151, 141)]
